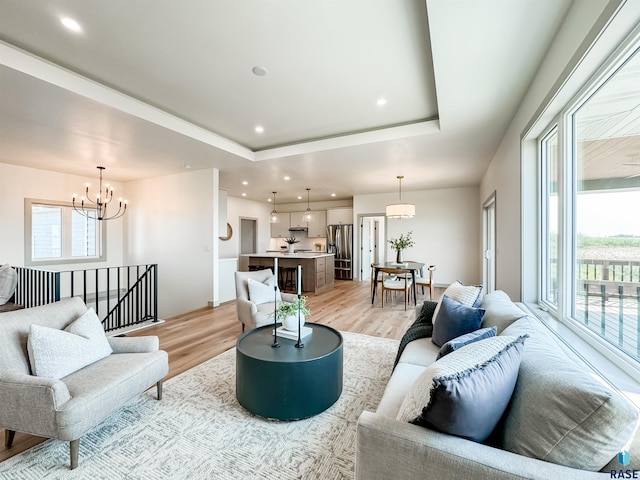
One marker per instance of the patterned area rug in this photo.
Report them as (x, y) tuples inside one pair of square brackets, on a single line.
[(199, 431)]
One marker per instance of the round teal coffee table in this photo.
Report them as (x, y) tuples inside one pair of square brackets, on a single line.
[(289, 383)]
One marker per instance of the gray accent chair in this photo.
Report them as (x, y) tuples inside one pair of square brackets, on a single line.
[(252, 315), (66, 409)]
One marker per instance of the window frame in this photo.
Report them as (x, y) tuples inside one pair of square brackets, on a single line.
[(101, 238), (567, 191), (543, 166)]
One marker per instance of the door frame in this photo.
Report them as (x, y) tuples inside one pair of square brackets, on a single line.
[(243, 262), (382, 224)]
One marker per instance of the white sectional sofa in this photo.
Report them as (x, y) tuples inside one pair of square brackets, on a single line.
[(558, 422)]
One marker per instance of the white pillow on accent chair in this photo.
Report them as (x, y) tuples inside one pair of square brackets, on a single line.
[(260, 293), (57, 353)]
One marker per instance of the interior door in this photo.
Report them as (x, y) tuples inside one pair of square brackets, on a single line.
[(247, 235), (489, 244)]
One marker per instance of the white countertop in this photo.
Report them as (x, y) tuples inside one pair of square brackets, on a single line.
[(289, 255)]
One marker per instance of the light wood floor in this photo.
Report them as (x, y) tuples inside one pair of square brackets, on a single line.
[(195, 337)]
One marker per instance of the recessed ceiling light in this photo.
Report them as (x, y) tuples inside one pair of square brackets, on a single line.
[(260, 71), (268, 199), (333, 194), (299, 198), (244, 194), (259, 129), (287, 177), (381, 102), (71, 24), (245, 182)]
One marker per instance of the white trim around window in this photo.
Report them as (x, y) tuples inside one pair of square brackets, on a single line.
[(65, 236)]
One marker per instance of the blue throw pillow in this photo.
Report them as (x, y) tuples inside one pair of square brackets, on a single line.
[(466, 393), (455, 319), (466, 339)]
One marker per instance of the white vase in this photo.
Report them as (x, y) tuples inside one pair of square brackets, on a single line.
[(291, 322), (292, 248)]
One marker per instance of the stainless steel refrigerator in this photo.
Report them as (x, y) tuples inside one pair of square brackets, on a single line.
[(340, 243)]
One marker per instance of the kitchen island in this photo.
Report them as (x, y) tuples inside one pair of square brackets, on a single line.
[(317, 267)]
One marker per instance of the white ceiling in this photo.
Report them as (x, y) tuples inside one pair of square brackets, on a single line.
[(148, 87)]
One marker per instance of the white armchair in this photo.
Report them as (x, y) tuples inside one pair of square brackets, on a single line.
[(251, 314)]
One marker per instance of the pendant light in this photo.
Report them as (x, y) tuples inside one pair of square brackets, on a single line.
[(274, 216), (308, 216), (97, 209), (401, 210)]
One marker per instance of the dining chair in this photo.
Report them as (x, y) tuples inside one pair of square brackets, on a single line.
[(396, 279), (373, 276), (426, 280)]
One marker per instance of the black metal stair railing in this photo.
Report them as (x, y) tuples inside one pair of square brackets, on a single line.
[(121, 296), (140, 301), (36, 287)]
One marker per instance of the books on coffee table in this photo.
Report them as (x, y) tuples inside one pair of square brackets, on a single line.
[(293, 334)]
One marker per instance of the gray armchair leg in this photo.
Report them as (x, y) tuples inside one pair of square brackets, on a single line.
[(159, 386), (9, 435), (74, 448)]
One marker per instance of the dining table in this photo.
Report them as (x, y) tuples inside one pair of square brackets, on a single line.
[(413, 266)]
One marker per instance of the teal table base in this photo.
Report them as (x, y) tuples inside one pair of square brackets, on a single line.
[(289, 383)]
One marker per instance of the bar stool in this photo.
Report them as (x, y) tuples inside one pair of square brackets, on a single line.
[(255, 268), (290, 279)]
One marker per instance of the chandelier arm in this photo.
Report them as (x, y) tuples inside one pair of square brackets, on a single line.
[(118, 214)]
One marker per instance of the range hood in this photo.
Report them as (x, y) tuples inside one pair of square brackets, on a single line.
[(298, 229)]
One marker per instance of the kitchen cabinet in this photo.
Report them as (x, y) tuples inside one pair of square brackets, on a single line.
[(297, 219), (337, 216), (281, 229), (317, 225)]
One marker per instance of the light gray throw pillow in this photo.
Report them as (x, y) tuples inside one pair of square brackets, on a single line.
[(8, 283), (57, 353), (499, 311), (559, 413)]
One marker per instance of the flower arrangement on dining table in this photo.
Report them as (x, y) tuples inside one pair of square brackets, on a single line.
[(400, 243)]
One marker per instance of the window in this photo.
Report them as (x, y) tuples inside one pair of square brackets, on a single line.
[(589, 221), (549, 154), (56, 233)]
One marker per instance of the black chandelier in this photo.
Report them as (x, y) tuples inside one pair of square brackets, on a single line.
[(97, 209)]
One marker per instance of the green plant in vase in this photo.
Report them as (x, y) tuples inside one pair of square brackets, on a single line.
[(400, 243), (291, 241), (287, 313)]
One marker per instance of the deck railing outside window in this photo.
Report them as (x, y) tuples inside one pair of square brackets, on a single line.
[(608, 301)]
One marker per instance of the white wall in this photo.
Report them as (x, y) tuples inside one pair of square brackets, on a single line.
[(446, 230), (238, 208), (171, 223), (517, 246), (18, 183)]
